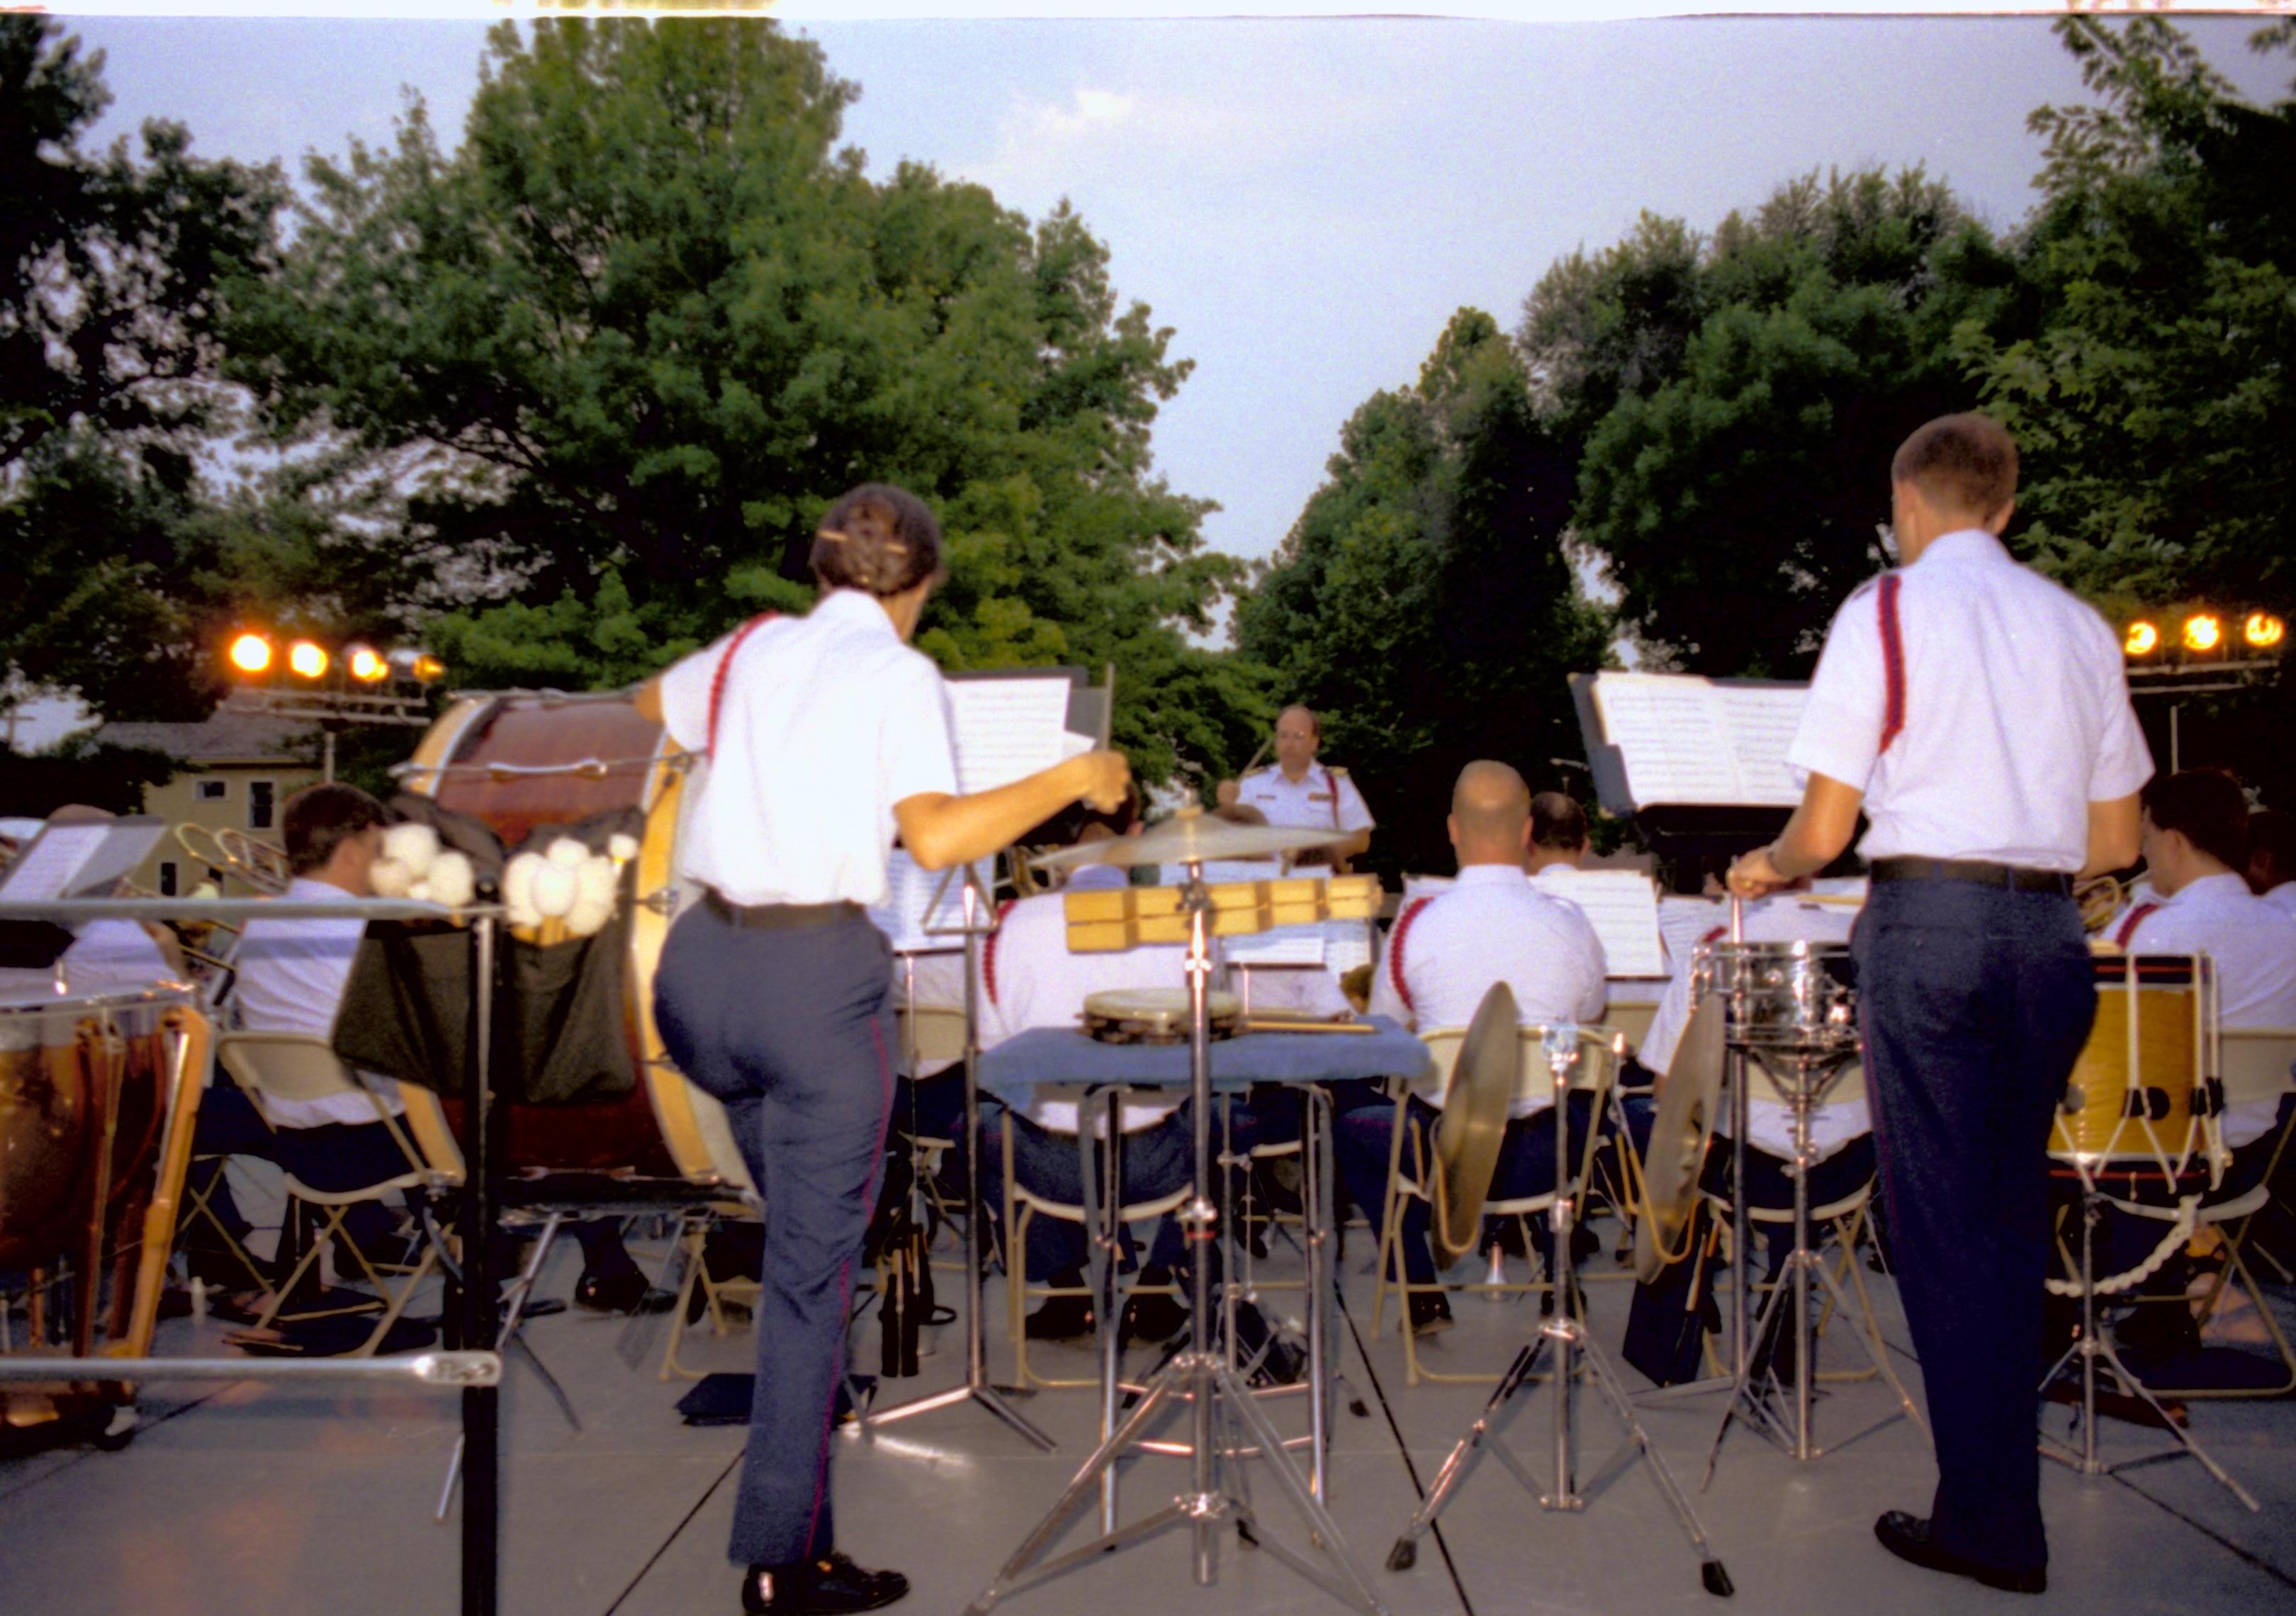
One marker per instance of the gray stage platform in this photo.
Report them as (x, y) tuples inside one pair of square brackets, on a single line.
[(248, 1499)]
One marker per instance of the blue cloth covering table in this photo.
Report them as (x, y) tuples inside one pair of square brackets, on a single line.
[(1063, 1058)]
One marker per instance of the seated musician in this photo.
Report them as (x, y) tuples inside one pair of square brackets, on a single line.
[(106, 955), (1558, 838), (1841, 1133), (1493, 925), (291, 978), (2194, 833), (1029, 979), (2272, 858)]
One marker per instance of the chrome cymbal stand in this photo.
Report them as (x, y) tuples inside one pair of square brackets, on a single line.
[(1808, 1074), (1574, 1349), (976, 1386), (1224, 1417), (2093, 1343)]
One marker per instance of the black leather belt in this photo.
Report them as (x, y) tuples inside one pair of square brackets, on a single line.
[(1975, 871), (778, 917)]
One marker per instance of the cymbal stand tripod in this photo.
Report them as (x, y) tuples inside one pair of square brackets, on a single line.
[(2093, 1343), (1224, 1417), (1574, 1347), (1811, 1072), (976, 1386)]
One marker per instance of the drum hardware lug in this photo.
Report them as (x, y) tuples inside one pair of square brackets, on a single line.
[(661, 900)]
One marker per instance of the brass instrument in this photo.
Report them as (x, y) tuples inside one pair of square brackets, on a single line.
[(237, 855), (2100, 898)]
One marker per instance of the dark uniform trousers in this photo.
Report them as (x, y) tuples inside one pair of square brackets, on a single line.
[(1974, 1001), (789, 1029)]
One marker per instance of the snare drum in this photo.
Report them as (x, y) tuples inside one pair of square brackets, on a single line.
[(1156, 1015), (2140, 1092), (525, 760), (98, 1096), (1784, 998)]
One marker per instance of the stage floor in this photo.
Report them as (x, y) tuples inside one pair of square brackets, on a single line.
[(245, 1498)]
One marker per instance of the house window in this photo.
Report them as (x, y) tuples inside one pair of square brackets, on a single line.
[(166, 878), (211, 791), (259, 797)]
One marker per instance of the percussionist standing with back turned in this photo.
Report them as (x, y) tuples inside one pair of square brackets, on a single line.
[(1980, 714), (826, 734)]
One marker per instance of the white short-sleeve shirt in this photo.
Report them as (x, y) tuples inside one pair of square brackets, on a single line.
[(826, 721), (293, 975), (1493, 924), (1769, 1122), (1029, 980), (1320, 799), (2282, 897), (2254, 947), (1980, 707)]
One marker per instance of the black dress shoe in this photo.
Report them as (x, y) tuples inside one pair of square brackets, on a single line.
[(1907, 1536), (1061, 1318), (1431, 1312), (819, 1588), (1149, 1316), (623, 1292)]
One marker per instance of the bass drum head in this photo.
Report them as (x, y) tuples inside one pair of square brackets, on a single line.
[(657, 1129)]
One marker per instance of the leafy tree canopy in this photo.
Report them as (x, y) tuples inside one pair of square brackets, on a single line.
[(1423, 604), (1738, 398), (111, 274), (625, 344), (2146, 367)]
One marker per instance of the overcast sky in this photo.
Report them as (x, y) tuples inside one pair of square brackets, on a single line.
[(1305, 201)]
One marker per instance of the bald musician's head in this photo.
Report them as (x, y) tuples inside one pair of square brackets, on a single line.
[(1490, 815), (1297, 735)]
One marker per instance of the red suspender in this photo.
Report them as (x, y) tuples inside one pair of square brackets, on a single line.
[(724, 664), (988, 950), (2128, 927), (1893, 660), (1716, 935), (1334, 784), (1395, 949)]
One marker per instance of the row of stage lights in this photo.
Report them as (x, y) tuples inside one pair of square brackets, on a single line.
[(254, 654), (2204, 633)]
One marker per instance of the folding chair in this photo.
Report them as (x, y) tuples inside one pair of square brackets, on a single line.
[(1409, 1179), (275, 1067)]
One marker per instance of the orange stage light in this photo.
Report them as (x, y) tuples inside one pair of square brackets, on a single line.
[(2143, 639), (2202, 632), (307, 660), (250, 653), (2263, 630), (366, 664), (429, 668)]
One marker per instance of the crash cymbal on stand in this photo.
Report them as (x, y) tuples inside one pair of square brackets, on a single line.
[(1191, 836), (1484, 1079)]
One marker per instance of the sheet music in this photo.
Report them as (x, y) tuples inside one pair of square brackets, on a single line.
[(1622, 906), (80, 860), (1346, 944), (904, 917), (1006, 729), (1280, 946), (1684, 921), (1687, 741)]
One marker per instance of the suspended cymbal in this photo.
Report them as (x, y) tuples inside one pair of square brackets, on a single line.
[(1473, 1124), (1687, 1109), (1191, 836)]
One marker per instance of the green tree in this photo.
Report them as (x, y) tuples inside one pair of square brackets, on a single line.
[(1423, 603), (2146, 369), (113, 270), (629, 340), (1738, 399)]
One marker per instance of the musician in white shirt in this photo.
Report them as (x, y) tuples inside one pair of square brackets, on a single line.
[(1030, 978), (2271, 863), (1493, 924)]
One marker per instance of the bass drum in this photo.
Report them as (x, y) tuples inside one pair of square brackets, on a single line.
[(523, 760)]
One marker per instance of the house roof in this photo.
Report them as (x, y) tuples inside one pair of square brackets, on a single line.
[(227, 737)]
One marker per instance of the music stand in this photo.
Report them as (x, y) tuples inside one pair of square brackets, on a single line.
[(976, 1386), (1223, 1413)]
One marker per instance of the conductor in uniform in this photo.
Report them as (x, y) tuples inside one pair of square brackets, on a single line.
[(825, 735), (1302, 794), (1978, 714)]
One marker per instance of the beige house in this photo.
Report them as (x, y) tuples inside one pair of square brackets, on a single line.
[(237, 769)]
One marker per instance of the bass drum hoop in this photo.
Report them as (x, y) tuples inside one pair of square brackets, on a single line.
[(691, 1124)]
